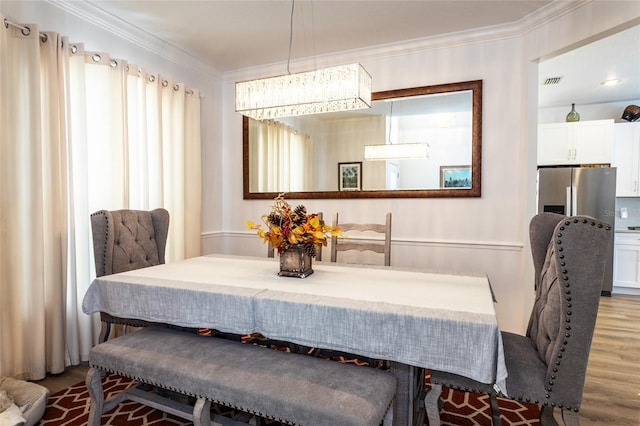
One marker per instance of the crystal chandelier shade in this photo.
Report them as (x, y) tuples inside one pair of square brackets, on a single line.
[(341, 88)]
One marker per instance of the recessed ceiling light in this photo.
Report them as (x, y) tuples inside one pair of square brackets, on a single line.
[(611, 82)]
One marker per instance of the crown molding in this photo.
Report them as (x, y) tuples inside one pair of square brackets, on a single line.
[(96, 16), (550, 12)]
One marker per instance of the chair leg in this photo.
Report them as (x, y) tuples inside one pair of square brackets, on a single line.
[(388, 418), (570, 418), (431, 404), (105, 330), (546, 416), (495, 410)]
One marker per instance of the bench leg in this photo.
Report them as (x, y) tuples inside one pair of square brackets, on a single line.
[(202, 412), (98, 405), (96, 394)]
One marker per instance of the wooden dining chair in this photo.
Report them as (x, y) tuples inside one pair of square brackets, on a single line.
[(547, 366), (360, 241), (124, 240)]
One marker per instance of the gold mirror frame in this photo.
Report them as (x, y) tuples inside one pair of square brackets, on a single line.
[(476, 153)]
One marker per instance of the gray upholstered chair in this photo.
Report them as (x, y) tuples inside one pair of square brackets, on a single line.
[(547, 366), (124, 240), (343, 243)]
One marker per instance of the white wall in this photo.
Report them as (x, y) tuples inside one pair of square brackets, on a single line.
[(467, 235), (487, 234)]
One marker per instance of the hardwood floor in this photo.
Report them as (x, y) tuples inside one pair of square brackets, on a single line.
[(612, 388), (71, 376)]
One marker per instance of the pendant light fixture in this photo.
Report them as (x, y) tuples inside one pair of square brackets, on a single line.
[(396, 151), (340, 88)]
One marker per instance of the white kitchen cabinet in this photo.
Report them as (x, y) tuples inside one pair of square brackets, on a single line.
[(626, 263), (582, 142), (626, 158)]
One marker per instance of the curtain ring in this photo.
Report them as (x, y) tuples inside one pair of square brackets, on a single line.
[(113, 63), (6, 23), (74, 48), (26, 31), (165, 83), (176, 87), (44, 37), (189, 92), (152, 78), (95, 57)]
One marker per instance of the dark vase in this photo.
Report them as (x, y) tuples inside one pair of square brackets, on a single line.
[(295, 262), (573, 114), (631, 113)]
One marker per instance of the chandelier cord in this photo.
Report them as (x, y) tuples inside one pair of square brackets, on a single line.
[(290, 36)]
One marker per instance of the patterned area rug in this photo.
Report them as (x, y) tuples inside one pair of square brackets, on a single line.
[(70, 407)]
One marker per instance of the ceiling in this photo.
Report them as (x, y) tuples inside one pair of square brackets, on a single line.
[(583, 70), (230, 35)]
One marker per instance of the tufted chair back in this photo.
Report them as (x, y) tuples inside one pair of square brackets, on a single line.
[(124, 240), (566, 306), (541, 229), (547, 366)]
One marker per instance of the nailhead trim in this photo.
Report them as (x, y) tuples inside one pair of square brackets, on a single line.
[(104, 251), (187, 393), (567, 285), (568, 298)]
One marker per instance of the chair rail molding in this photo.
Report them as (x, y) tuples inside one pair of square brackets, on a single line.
[(406, 242)]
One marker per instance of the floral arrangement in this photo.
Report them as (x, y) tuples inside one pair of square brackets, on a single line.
[(287, 226)]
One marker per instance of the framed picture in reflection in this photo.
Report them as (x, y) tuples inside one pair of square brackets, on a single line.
[(350, 176), (455, 176)]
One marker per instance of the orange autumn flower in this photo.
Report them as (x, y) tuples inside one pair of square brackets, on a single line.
[(286, 226)]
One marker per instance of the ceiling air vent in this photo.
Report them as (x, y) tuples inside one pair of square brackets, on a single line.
[(551, 80)]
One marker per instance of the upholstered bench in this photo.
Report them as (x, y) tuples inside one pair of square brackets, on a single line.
[(291, 388)]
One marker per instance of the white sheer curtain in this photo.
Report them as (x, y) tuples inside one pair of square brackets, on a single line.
[(80, 132), (281, 157), (33, 202)]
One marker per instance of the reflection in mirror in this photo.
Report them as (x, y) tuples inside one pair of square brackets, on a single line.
[(418, 142)]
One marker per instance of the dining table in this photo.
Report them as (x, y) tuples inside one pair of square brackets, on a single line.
[(415, 319)]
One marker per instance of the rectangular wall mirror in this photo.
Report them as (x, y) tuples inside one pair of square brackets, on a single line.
[(412, 143)]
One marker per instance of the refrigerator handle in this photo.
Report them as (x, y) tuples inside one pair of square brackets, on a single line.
[(574, 201), (568, 202)]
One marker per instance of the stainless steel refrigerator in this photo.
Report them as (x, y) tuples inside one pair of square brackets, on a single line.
[(589, 191)]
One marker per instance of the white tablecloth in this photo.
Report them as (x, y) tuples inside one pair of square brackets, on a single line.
[(431, 320)]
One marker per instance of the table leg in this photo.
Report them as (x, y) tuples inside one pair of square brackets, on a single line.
[(409, 405)]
